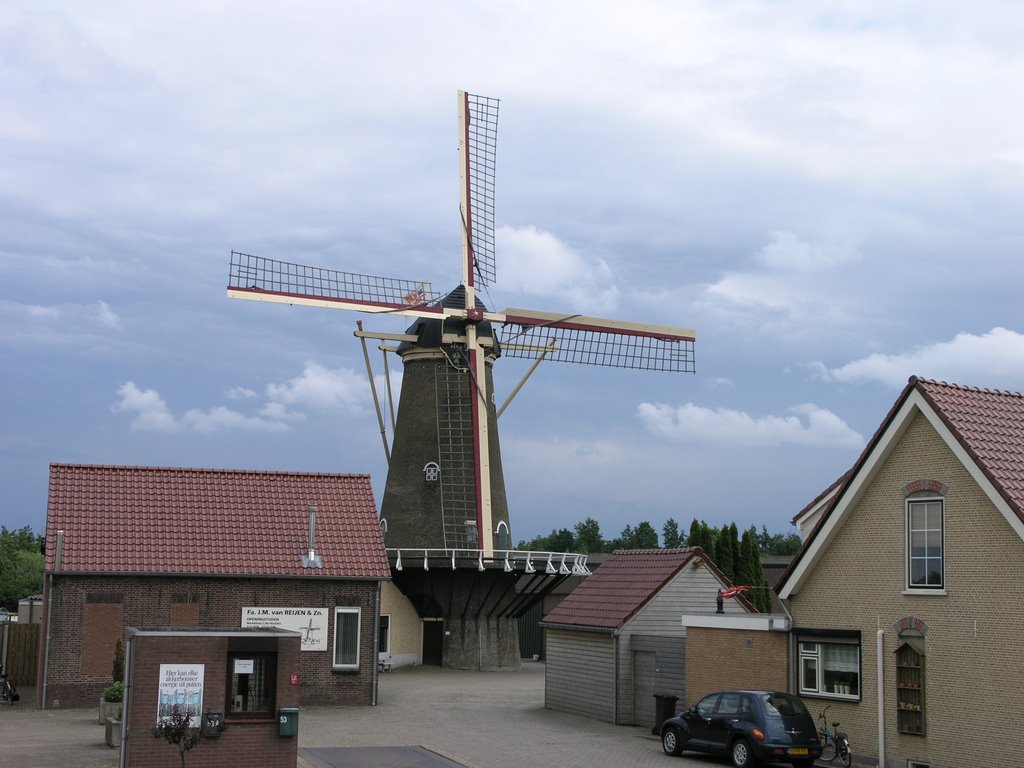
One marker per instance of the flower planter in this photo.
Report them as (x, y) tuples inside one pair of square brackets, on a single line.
[(110, 709)]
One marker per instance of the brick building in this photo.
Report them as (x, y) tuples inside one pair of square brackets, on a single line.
[(906, 595), (192, 548)]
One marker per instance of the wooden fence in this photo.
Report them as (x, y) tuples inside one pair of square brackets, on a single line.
[(22, 653)]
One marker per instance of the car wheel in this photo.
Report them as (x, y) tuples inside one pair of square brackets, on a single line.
[(742, 757), (672, 741)]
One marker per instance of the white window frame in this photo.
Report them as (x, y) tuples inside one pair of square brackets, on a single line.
[(810, 650), (338, 612), (926, 588)]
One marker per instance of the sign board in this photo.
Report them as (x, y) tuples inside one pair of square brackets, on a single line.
[(180, 685), (311, 622)]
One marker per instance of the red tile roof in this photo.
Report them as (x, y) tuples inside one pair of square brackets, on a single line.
[(626, 580), (205, 521), (989, 424)]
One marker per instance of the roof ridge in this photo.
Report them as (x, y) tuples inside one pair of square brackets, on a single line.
[(204, 470), (963, 387)]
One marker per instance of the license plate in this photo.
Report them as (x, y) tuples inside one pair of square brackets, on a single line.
[(798, 751)]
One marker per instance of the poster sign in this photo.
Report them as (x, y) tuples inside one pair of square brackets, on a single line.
[(181, 685), (311, 622), (244, 666)]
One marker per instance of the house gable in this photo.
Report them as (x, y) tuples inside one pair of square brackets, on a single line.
[(913, 404)]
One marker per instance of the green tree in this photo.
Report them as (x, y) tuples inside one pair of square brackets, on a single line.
[(724, 554), (625, 540), (556, 541), (670, 536), (785, 544), (644, 536), (751, 573), (588, 536), (702, 536), (21, 566)]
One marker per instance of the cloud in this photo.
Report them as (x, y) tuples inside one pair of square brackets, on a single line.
[(322, 388), (537, 262), (151, 412), (785, 251), (221, 418), (993, 359), (241, 393), (810, 425), (108, 317), (796, 287)]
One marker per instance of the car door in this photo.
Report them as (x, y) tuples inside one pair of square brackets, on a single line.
[(725, 719), (699, 718)]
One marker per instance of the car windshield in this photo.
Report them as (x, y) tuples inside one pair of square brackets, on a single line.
[(783, 705)]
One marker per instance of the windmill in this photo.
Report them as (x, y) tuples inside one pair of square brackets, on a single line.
[(445, 490), (460, 335)]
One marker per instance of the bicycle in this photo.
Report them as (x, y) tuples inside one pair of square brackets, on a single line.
[(834, 743), (8, 693)]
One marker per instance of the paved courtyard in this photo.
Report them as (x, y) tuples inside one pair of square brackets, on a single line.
[(448, 718)]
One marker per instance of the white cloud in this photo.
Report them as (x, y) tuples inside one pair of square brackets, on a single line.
[(108, 317), (798, 287), (221, 418), (994, 359), (323, 388), (539, 263), (241, 393), (810, 425), (151, 413), (786, 251)]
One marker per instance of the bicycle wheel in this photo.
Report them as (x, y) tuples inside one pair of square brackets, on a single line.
[(828, 752), (845, 755)]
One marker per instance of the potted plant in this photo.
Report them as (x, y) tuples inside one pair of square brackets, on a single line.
[(112, 696)]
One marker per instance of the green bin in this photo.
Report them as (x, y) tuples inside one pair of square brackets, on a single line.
[(288, 721)]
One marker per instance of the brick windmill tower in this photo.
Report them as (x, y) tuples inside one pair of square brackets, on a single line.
[(444, 499)]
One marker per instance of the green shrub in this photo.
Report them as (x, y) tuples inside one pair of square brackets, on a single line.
[(114, 692)]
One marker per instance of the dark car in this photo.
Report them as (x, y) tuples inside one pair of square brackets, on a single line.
[(748, 726)]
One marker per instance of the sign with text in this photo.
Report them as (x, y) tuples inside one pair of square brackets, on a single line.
[(181, 686), (311, 622)]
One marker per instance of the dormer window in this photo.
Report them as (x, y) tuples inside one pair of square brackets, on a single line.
[(432, 472)]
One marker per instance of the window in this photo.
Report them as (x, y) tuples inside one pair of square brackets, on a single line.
[(830, 669), (925, 544), (250, 686), (346, 638), (384, 634)]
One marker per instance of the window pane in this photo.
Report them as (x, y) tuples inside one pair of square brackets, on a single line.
[(346, 638), (383, 634), (251, 691), (809, 674), (841, 669)]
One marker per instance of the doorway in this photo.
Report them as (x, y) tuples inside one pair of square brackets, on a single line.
[(433, 642)]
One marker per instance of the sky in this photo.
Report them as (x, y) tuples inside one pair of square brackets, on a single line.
[(829, 194)]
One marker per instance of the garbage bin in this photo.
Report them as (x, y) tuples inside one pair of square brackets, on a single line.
[(288, 721), (664, 708)]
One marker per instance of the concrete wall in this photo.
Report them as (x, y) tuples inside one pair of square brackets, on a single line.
[(243, 742), (972, 630), (81, 655)]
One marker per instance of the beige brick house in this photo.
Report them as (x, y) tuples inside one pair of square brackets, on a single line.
[(906, 597)]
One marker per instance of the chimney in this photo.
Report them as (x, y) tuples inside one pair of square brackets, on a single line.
[(312, 559)]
